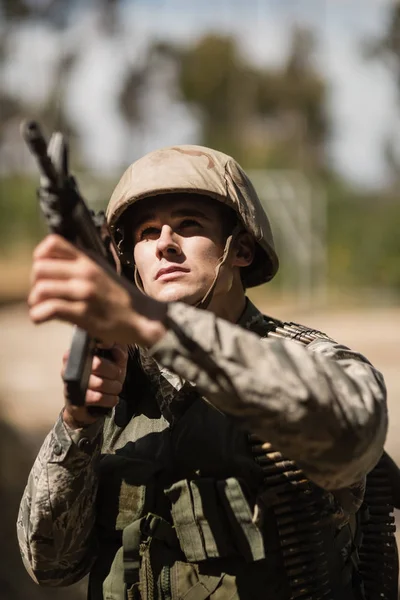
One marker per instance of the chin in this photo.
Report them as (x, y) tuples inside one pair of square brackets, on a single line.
[(175, 293)]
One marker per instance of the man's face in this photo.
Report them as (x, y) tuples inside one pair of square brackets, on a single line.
[(178, 241)]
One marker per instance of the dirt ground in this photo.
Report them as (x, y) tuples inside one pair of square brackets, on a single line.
[(30, 359)]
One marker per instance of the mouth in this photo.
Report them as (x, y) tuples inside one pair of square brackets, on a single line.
[(170, 273)]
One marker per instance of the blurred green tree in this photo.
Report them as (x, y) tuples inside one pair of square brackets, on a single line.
[(386, 49), (263, 116), (266, 117)]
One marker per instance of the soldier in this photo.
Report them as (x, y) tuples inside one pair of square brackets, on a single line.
[(234, 459)]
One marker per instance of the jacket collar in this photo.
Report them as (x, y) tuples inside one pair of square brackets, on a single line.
[(253, 320)]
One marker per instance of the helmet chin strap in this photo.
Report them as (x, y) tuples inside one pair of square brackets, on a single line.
[(205, 302), (138, 280)]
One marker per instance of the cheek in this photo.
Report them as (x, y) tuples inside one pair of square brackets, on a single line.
[(142, 257), (202, 251)]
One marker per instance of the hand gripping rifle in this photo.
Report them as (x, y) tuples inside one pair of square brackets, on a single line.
[(67, 214)]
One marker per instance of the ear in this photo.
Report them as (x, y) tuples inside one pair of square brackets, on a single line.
[(243, 250)]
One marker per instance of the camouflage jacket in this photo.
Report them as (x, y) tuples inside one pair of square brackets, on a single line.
[(321, 404)]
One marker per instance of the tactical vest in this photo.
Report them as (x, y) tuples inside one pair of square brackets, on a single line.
[(190, 506)]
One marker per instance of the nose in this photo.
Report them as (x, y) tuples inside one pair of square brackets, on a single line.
[(167, 243)]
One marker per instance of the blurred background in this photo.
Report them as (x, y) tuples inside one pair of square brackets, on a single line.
[(304, 93)]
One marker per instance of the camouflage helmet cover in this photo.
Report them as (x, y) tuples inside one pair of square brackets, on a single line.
[(200, 170)]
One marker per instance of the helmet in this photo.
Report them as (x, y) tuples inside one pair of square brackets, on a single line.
[(197, 170)]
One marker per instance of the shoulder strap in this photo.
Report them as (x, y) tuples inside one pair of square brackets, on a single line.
[(137, 390)]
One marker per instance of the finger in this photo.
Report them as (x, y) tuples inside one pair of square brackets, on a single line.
[(99, 399), (114, 365), (63, 310), (60, 290), (120, 355), (106, 368), (112, 387), (55, 246), (52, 269)]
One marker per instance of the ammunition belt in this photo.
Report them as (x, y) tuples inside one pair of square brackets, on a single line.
[(378, 551), (299, 511), (299, 516), (299, 521), (295, 331)]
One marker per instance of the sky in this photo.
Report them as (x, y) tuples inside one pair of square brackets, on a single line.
[(362, 99)]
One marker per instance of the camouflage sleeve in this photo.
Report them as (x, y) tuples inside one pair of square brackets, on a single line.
[(56, 516), (323, 406)]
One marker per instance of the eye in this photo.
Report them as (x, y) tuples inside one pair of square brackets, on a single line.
[(148, 233), (186, 223)]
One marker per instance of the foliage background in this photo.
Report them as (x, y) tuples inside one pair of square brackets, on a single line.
[(269, 116)]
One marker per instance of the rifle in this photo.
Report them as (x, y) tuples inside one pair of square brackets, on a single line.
[(67, 214)]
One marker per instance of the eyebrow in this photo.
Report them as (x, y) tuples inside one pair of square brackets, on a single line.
[(180, 212)]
